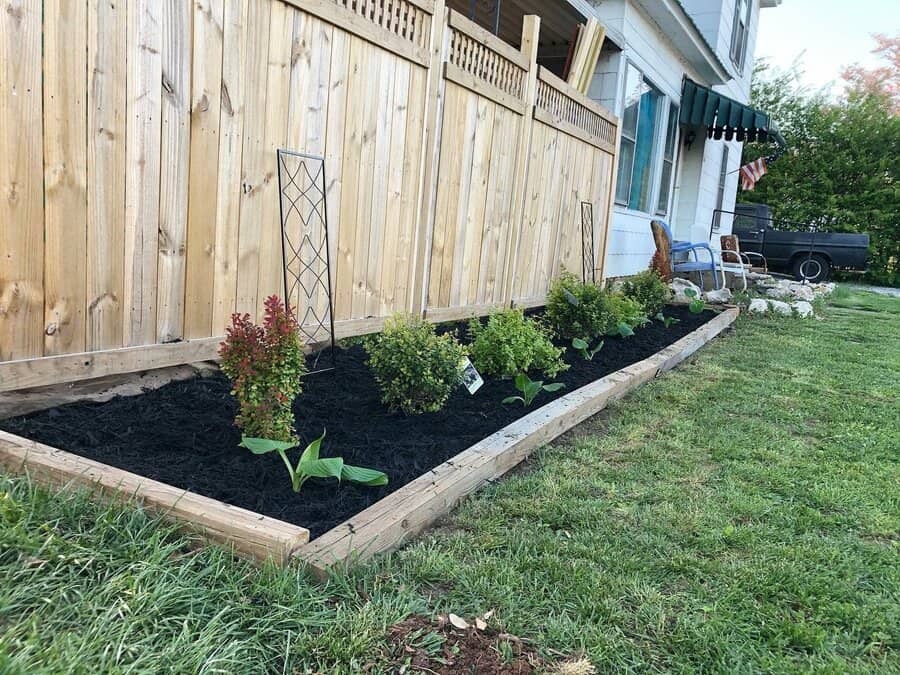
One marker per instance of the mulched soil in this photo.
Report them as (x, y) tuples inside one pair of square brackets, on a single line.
[(183, 433)]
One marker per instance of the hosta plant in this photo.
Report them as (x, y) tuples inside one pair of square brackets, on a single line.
[(310, 465), (265, 364), (697, 305), (583, 347), (667, 320), (530, 389)]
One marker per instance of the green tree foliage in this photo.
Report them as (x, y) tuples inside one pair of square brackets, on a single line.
[(841, 168)]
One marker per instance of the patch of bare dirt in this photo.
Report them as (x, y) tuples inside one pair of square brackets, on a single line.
[(424, 646)]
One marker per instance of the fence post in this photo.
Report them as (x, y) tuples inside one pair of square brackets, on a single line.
[(431, 156), (531, 31)]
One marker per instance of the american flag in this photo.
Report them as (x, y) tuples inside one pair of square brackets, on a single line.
[(752, 172)]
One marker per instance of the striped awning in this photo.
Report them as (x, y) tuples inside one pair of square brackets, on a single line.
[(724, 117)]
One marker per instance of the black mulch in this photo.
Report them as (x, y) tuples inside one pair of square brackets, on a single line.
[(183, 433)]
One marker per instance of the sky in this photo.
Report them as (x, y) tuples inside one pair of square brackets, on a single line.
[(826, 34)]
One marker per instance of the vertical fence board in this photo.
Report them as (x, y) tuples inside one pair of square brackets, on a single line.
[(106, 174), (174, 170), (142, 158), (65, 176), (21, 182), (235, 36), (206, 93), (281, 31), (253, 162)]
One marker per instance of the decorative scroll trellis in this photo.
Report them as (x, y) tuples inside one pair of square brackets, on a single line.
[(587, 243), (304, 248)]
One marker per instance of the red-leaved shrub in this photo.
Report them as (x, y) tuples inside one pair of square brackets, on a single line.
[(265, 364)]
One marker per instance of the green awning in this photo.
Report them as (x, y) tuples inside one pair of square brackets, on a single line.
[(725, 117)]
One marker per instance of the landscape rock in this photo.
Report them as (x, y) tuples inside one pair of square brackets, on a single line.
[(803, 309), (779, 307), (679, 286), (758, 306), (719, 297)]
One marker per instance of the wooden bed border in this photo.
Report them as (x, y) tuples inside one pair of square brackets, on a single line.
[(250, 533), (404, 513), (390, 521)]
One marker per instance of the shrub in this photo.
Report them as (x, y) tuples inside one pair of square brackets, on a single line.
[(576, 309), (265, 364), (511, 343), (649, 289), (620, 309), (415, 368)]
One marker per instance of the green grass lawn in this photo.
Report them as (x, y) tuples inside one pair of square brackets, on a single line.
[(740, 514)]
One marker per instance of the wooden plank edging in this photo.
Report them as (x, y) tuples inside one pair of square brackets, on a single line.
[(250, 533), (406, 512)]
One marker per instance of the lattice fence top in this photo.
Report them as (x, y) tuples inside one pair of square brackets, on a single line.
[(472, 52), (408, 20), (555, 101)]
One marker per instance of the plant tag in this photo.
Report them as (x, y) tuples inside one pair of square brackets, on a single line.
[(471, 378)]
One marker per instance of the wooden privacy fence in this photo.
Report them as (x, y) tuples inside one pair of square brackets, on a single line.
[(140, 206)]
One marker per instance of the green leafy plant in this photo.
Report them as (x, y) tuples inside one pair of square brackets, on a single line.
[(649, 290), (583, 347), (667, 321), (697, 305), (310, 465), (511, 343), (624, 314), (415, 368), (265, 364), (576, 309), (530, 389)]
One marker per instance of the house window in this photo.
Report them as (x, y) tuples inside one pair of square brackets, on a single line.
[(668, 163), (740, 32), (640, 132), (720, 196)]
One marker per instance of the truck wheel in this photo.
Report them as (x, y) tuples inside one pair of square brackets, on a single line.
[(814, 268)]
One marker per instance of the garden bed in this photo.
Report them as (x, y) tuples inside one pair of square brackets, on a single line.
[(182, 434)]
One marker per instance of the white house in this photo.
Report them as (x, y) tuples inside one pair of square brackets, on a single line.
[(675, 72), (668, 168)]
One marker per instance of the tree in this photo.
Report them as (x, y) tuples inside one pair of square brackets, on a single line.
[(883, 81), (840, 172)]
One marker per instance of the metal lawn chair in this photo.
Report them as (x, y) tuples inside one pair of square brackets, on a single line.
[(669, 248), (735, 261)]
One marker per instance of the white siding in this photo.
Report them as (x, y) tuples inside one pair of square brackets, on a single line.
[(697, 177)]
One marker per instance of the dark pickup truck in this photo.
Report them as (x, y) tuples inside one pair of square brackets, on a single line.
[(793, 248)]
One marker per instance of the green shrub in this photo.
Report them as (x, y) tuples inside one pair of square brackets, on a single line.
[(415, 368), (511, 343), (649, 289), (620, 309), (576, 309)]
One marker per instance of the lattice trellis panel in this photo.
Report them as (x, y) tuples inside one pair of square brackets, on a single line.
[(304, 239), (588, 266)]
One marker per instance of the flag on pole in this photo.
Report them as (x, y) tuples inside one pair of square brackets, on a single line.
[(752, 172)]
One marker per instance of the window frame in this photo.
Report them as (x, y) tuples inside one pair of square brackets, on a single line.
[(740, 31), (660, 134), (673, 133), (720, 190)]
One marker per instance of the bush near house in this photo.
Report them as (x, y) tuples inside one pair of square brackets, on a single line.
[(576, 309), (415, 368), (511, 343), (649, 289)]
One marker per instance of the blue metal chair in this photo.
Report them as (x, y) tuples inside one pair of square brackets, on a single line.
[(689, 248)]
